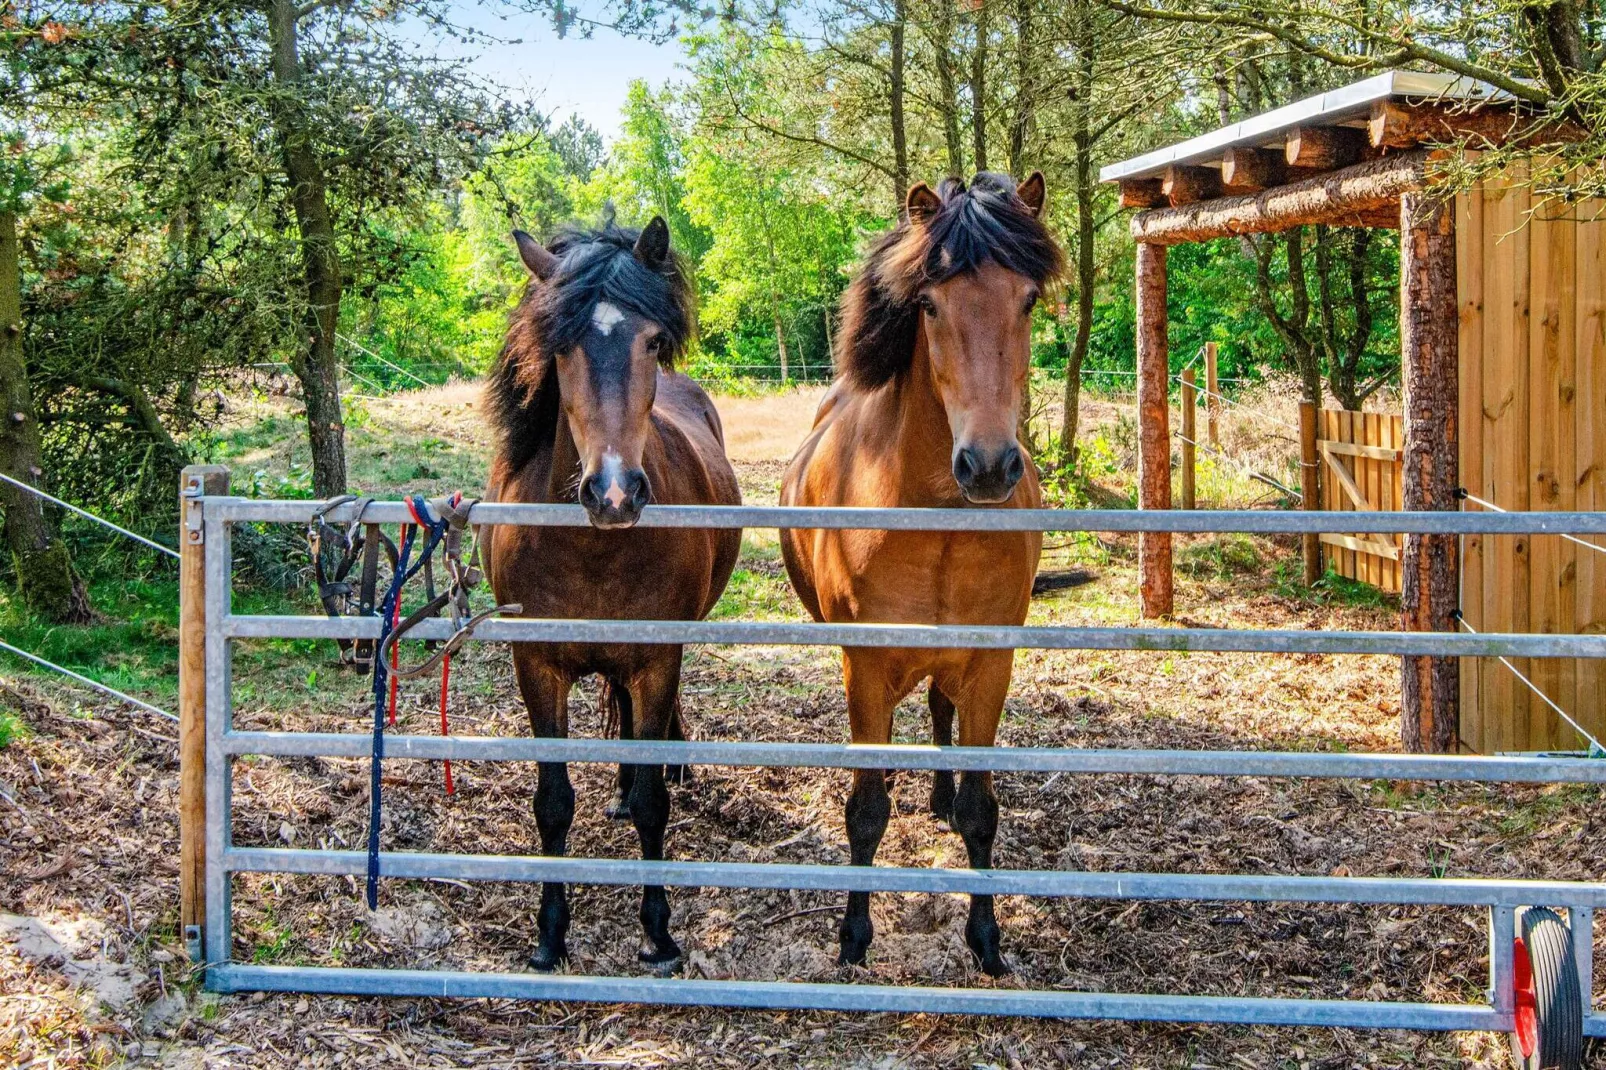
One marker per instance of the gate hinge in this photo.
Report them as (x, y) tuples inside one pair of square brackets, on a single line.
[(194, 514)]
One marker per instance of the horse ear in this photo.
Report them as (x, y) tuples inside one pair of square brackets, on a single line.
[(536, 257), (652, 248), (921, 204), (1033, 192)]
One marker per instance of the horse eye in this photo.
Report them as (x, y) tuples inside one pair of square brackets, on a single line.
[(928, 306), (1031, 303), (655, 345)]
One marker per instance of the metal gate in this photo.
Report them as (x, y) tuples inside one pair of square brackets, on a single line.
[(208, 520)]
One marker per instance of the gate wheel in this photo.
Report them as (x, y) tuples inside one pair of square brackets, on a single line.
[(1549, 1033)]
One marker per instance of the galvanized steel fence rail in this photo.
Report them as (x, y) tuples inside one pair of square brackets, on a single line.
[(209, 520)]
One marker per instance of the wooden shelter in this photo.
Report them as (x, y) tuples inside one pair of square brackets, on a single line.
[(1503, 365)]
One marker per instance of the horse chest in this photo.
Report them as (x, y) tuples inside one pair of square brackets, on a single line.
[(933, 577), (643, 573)]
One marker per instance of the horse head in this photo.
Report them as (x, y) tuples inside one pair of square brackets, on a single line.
[(613, 309), (977, 325)]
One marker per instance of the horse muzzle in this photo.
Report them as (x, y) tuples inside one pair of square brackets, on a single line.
[(988, 475), (614, 496)]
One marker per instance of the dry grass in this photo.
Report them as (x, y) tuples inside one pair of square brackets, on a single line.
[(89, 839)]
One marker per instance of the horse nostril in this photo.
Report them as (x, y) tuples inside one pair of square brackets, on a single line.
[(965, 466), (1014, 465), (590, 496), (640, 491)]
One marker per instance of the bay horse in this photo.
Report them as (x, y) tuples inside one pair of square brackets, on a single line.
[(932, 364), (587, 404)]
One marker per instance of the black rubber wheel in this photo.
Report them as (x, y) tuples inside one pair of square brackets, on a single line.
[(1549, 1032)]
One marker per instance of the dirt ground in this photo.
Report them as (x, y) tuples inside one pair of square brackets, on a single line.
[(92, 972)]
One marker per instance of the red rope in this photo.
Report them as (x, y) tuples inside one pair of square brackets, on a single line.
[(446, 676)]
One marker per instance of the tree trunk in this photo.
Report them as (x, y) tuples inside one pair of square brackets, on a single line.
[(1429, 344), (830, 337), (978, 85), (780, 333), (900, 143), (315, 363), (45, 577), (1023, 88), (1086, 265), (948, 96)]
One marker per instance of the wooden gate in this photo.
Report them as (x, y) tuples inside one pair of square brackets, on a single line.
[(1362, 469)]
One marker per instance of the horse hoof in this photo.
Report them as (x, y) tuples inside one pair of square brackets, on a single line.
[(619, 808), (853, 956), (996, 967), (547, 959), (988, 957), (663, 957), (678, 774)]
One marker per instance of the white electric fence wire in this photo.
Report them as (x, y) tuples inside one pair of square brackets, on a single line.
[(1260, 477), (1594, 743), (96, 684), (19, 484), (1492, 507), (389, 364), (1264, 415), (1461, 585)]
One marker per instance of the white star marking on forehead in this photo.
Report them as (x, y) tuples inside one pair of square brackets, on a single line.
[(605, 316)]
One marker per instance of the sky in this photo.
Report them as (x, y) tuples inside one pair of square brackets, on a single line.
[(583, 76)]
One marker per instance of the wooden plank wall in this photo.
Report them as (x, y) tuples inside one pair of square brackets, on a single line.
[(1533, 386), (1378, 478)]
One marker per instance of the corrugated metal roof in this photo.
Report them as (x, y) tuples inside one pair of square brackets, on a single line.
[(1333, 108)]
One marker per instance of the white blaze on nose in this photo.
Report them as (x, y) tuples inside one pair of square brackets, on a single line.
[(605, 316), (612, 464)]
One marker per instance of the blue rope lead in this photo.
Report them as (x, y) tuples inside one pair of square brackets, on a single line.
[(387, 614)]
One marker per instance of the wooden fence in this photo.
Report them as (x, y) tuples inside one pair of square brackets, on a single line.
[(1362, 469)]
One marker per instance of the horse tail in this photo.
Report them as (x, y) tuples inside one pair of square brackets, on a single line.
[(615, 703)]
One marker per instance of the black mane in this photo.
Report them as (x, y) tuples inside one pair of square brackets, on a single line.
[(594, 265), (985, 222)]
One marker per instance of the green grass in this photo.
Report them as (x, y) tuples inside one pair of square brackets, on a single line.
[(11, 727)]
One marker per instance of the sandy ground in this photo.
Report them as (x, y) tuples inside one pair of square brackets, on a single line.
[(92, 973)]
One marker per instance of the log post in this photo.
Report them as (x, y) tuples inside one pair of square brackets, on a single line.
[(1154, 430), (1309, 490), (1429, 343), (1190, 401), (197, 479), (1354, 196), (1212, 396)]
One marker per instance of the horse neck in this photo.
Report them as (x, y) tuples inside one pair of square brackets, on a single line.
[(924, 444)]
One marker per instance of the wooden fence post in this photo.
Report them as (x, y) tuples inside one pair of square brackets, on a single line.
[(198, 479), (1212, 396), (1190, 402), (1155, 579), (1310, 489)]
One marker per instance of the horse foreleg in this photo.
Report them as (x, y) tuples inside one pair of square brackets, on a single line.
[(678, 774), (942, 734), (546, 695), (870, 704), (976, 804), (654, 693)]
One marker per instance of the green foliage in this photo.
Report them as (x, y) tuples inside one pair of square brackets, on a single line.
[(11, 728)]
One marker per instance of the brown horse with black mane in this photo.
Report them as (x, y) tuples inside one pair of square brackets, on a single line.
[(933, 360), (587, 404)]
